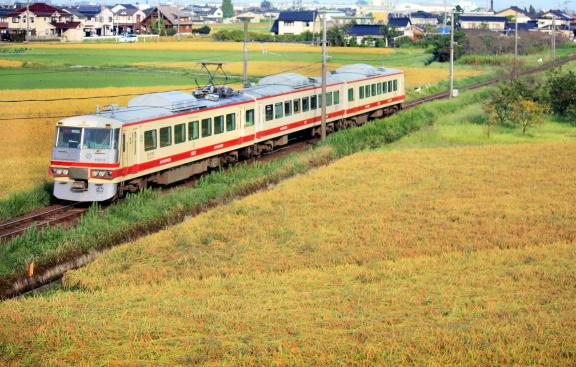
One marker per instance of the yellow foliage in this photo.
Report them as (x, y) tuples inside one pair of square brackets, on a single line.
[(10, 63)]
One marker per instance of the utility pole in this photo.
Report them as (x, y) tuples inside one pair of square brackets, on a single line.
[(245, 20), (158, 20), (553, 47), (324, 72), (451, 53), (27, 38), (516, 47)]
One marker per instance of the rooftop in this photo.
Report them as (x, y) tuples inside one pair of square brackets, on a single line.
[(298, 16)]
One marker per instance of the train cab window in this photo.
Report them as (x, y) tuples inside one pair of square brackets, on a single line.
[(165, 136), (361, 90), (374, 89), (379, 86), (296, 104), (313, 102), (390, 86), (218, 124), (269, 112), (206, 127), (367, 90), (278, 109), (150, 140), (249, 117), (230, 122), (350, 94), (337, 97), (328, 99), (305, 104), (395, 85), (68, 137), (287, 108), (179, 133), (193, 130)]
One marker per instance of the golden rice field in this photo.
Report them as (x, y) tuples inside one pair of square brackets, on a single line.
[(195, 45), (28, 142), (10, 63), (459, 256)]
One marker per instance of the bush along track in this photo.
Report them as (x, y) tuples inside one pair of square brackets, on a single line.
[(40, 256)]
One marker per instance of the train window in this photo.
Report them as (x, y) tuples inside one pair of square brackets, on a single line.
[(374, 89), (206, 127), (165, 136), (395, 85), (193, 128), (287, 108), (319, 101), (218, 124), (379, 86), (305, 104), (328, 99), (361, 90), (68, 137), (179, 133), (296, 104), (249, 117), (278, 109), (150, 140), (385, 87), (390, 86), (337, 97), (350, 94), (230, 122), (313, 102), (269, 112)]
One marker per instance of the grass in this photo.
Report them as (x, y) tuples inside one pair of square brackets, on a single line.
[(431, 256)]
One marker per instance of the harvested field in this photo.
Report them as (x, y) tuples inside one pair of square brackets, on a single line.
[(434, 256)]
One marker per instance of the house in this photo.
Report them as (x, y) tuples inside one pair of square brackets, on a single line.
[(529, 26), (126, 19), (97, 20), (558, 17), (173, 18), (69, 31), (362, 31), (351, 19), (400, 24), (488, 22), (515, 12), (208, 14), (297, 22), (37, 19), (423, 18)]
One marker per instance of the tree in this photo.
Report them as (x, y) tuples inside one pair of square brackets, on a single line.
[(527, 113), (531, 10), (561, 90), (265, 5), (336, 36), (158, 29), (227, 9), (389, 33)]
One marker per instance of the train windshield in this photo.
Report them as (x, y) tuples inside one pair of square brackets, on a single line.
[(87, 138)]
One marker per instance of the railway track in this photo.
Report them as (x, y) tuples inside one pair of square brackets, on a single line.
[(57, 214)]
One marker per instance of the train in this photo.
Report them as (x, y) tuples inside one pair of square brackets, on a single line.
[(162, 138)]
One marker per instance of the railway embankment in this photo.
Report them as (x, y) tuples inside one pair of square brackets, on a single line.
[(25, 260)]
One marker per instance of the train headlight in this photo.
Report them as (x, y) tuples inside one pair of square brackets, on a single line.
[(65, 171), (58, 171), (104, 174)]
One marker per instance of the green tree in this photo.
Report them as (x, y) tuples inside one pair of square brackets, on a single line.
[(227, 9), (561, 90), (389, 33), (158, 29)]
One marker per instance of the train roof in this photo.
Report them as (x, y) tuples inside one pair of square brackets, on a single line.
[(164, 104)]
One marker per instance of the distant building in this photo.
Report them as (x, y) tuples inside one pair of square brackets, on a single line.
[(492, 23), (423, 18), (296, 22), (347, 19), (208, 14), (126, 18), (362, 31), (400, 24), (515, 12), (172, 17), (38, 19), (558, 17)]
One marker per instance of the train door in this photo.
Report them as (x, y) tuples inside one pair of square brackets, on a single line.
[(249, 122), (129, 147)]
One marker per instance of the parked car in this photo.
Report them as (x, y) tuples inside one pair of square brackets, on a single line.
[(128, 37)]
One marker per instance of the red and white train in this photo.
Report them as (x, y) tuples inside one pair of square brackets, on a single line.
[(170, 136)]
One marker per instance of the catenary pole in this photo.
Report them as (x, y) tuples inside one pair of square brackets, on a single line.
[(516, 46), (245, 53), (451, 53), (324, 72)]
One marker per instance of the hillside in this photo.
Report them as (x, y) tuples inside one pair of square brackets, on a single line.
[(421, 256)]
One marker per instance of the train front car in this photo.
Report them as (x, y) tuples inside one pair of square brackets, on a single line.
[(85, 158)]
